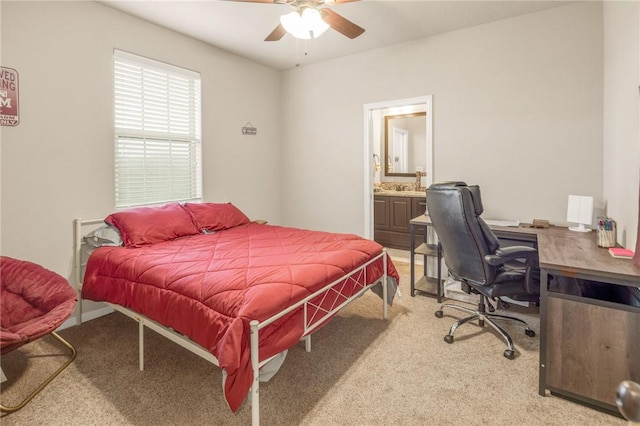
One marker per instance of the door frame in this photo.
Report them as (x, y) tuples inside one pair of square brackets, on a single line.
[(427, 101)]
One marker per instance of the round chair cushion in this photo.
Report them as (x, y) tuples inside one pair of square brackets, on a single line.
[(34, 301)]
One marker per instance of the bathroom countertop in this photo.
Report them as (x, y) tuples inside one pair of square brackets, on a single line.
[(389, 193)]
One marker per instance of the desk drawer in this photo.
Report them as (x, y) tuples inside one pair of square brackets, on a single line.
[(591, 348)]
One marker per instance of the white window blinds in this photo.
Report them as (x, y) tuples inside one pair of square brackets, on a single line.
[(157, 132)]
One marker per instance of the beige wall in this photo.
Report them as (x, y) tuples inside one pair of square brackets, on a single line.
[(621, 112), (517, 104), (58, 163), (518, 109)]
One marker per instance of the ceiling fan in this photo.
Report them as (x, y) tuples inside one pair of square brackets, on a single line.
[(309, 20)]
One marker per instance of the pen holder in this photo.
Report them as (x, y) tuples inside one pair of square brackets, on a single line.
[(606, 232)]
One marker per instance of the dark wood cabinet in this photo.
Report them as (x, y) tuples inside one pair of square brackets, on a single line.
[(391, 217), (381, 213), (418, 206), (399, 214)]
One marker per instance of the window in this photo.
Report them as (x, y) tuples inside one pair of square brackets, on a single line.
[(157, 132)]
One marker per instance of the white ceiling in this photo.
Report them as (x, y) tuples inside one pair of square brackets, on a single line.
[(241, 27)]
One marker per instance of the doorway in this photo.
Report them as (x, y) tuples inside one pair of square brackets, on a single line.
[(376, 159)]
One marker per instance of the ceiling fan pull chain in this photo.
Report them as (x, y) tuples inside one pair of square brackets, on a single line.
[(298, 51)]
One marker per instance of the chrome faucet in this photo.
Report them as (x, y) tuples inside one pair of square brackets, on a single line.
[(419, 176)]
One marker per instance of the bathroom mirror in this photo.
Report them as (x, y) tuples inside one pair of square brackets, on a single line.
[(405, 144)]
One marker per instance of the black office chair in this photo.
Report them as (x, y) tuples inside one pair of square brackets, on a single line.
[(473, 256)]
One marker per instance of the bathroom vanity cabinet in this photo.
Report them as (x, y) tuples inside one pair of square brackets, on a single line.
[(392, 212)]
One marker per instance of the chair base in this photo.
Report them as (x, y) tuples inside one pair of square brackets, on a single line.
[(482, 316), (72, 356)]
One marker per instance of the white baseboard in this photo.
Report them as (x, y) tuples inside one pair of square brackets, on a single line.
[(87, 316)]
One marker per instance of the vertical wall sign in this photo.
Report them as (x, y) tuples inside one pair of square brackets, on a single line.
[(9, 115)]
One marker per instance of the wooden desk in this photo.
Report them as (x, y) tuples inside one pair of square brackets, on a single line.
[(587, 345)]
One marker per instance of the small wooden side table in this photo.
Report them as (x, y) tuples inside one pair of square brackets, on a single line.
[(426, 284)]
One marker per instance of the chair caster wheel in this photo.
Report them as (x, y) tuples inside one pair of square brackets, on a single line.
[(530, 332), (509, 354), (439, 314), (448, 338)]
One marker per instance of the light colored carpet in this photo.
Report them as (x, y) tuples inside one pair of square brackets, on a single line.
[(362, 370)]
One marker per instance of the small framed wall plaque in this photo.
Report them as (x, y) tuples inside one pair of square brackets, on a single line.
[(248, 129), (9, 115)]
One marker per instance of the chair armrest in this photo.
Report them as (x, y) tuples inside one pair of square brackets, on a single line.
[(507, 254), (520, 253)]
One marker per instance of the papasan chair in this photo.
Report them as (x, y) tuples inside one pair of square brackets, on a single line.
[(34, 302)]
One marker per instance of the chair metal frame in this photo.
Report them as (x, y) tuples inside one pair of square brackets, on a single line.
[(29, 397), (481, 315)]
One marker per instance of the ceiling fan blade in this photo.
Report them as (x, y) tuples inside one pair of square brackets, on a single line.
[(276, 34), (341, 24)]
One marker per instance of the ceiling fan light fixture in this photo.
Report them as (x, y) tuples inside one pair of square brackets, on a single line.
[(304, 25)]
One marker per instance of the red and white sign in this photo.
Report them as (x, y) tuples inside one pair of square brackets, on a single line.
[(9, 115)]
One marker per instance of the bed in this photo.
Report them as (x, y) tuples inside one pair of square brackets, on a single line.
[(236, 292)]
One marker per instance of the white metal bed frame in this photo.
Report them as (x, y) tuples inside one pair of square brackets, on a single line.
[(357, 276)]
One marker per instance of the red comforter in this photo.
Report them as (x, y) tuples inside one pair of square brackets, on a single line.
[(210, 286)]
